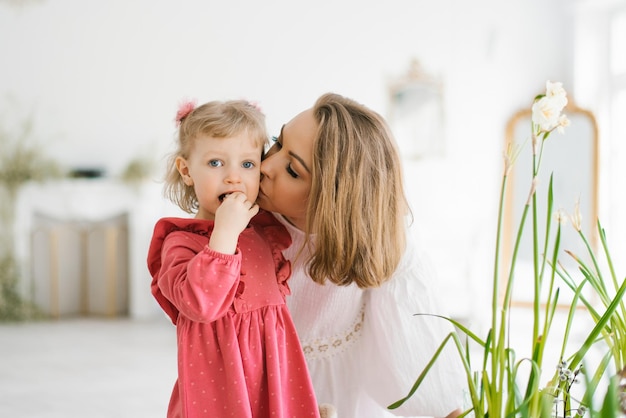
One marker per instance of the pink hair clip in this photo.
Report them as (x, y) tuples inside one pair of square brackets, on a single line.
[(184, 109), (255, 105)]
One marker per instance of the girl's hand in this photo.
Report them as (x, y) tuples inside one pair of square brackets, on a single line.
[(231, 218)]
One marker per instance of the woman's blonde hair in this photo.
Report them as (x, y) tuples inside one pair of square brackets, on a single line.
[(357, 206), (216, 119)]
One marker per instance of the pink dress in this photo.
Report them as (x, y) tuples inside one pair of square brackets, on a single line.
[(238, 351)]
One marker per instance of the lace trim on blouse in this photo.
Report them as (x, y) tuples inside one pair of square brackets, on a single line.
[(331, 346)]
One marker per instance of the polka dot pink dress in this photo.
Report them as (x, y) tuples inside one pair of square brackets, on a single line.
[(238, 351)]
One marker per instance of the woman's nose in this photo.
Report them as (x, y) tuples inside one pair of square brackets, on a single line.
[(267, 165)]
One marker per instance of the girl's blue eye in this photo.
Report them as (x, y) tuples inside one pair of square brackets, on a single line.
[(215, 163), (274, 139), (248, 164)]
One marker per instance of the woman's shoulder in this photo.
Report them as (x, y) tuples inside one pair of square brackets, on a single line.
[(415, 270)]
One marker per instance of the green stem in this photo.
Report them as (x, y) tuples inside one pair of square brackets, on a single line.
[(599, 283), (496, 267), (609, 260), (536, 161), (492, 389)]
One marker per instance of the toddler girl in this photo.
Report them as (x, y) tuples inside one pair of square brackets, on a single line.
[(221, 276)]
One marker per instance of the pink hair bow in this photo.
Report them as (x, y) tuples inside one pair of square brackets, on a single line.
[(184, 109), (255, 105)]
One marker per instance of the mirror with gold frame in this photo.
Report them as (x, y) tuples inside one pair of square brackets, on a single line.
[(572, 159)]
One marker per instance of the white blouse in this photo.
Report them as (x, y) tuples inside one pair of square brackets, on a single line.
[(365, 348)]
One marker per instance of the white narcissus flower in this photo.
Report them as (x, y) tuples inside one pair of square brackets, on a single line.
[(561, 216), (556, 92), (546, 112), (564, 122), (510, 155)]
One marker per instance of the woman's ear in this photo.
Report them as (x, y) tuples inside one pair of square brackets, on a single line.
[(183, 169)]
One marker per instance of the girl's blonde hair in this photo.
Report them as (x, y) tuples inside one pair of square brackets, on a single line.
[(357, 206), (216, 119)]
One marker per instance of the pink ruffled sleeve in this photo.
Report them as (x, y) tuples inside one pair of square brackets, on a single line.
[(202, 284), (279, 239)]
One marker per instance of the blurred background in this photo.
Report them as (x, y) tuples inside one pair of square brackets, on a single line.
[(92, 88)]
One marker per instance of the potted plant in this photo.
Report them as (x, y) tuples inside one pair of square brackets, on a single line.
[(20, 162), (504, 385)]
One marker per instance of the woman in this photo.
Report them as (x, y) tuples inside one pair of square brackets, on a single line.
[(334, 179)]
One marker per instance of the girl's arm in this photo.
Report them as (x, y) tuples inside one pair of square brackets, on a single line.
[(200, 282)]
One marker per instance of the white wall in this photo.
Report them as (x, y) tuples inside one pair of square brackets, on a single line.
[(103, 80)]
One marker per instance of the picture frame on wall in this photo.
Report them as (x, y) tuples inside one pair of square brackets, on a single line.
[(416, 114)]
